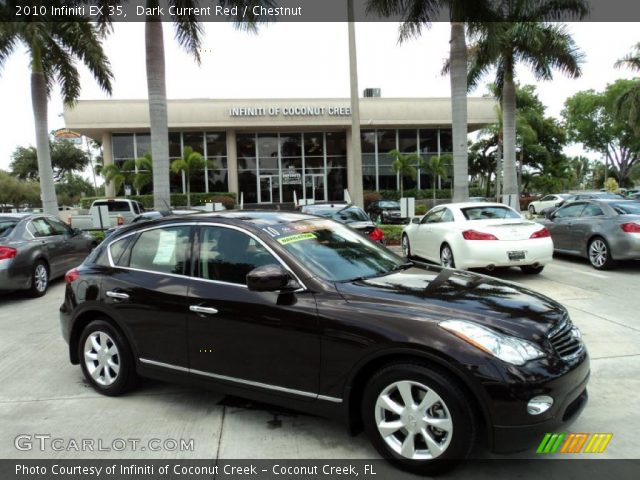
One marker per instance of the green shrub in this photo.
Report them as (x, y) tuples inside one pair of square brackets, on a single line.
[(427, 193), (228, 202), (392, 233), (97, 235), (421, 209)]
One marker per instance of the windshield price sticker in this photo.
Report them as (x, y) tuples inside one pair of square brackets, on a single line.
[(296, 238)]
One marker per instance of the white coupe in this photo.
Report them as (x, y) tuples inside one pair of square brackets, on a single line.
[(478, 235)]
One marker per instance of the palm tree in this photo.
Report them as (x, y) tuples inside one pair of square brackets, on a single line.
[(540, 44), (417, 14), (628, 103), (144, 172), (190, 162), (120, 173), (53, 48), (437, 167), (405, 165)]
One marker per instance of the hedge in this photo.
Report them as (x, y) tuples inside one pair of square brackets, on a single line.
[(426, 194), (177, 199), (392, 233)]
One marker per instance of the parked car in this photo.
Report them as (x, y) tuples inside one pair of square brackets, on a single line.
[(385, 211), (152, 215), (582, 196), (120, 210), (546, 202), (348, 214), (37, 248), (302, 311), (478, 235), (602, 231)]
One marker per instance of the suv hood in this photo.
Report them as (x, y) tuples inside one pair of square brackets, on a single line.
[(437, 294)]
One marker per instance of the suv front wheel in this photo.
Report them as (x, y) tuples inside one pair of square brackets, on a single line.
[(418, 418)]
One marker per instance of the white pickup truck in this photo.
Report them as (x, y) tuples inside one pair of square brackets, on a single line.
[(117, 209)]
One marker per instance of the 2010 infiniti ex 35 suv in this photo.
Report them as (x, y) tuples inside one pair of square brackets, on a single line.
[(302, 311)]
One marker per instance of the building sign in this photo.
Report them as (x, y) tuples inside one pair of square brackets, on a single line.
[(68, 135), (291, 176), (290, 111)]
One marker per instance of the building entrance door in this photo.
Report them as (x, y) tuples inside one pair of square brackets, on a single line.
[(269, 186), (314, 185)]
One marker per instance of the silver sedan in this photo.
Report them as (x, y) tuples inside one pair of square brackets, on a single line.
[(603, 231), (36, 248)]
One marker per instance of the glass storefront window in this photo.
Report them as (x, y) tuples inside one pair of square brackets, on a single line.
[(143, 144), (290, 144), (268, 145), (368, 141), (386, 141), (122, 144), (408, 141), (175, 148), (246, 145), (194, 140), (336, 143), (216, 144), (428, 141), (446, 141), (313, 144)]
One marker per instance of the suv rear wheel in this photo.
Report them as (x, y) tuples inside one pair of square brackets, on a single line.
[(418, 418), (106, 359)]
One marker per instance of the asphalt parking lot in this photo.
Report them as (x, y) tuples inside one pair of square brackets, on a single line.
[(42, 393)]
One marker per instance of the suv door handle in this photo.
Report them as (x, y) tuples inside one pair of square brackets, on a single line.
[(118, 295), (199, 309)]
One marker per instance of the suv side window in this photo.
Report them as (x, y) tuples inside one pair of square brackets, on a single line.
[(163, 250), (227, 255), (447, 216)]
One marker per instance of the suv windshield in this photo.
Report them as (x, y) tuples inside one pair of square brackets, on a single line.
[(335, 252)]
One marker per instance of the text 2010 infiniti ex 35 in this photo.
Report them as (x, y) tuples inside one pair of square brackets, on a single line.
[(304, 312)]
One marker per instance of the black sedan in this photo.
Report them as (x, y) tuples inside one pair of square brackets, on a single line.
[(301, 311), (348, 214), (37, 248), (385, 211), (602, 231)]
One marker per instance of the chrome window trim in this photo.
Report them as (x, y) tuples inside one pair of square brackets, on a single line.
[(242, 381), (199, 224)]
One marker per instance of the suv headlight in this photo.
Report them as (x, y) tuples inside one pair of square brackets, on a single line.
[(505, 347)]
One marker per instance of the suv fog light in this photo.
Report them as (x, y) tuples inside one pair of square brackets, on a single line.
[(538, 405)]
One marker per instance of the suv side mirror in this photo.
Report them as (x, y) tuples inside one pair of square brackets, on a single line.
[(269, 278)]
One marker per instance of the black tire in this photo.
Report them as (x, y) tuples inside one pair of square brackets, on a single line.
[(458, 408), (532, 210), (442, 262), (531, 270), (406, 251), (125, 377), (599, 254), (39, 279)]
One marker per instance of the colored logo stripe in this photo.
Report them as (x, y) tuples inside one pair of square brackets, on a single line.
[(573, 443)]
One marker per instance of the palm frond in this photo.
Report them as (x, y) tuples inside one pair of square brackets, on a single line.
[(58, 67), (188, 28), (630, 60)]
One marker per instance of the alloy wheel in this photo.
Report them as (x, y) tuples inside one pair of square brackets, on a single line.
[(446, 257), (40, 278), (413, 420), (406, 250), (598, 253), (102, 358)]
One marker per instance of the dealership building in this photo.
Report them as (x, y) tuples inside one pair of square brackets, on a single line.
[(267, 149)]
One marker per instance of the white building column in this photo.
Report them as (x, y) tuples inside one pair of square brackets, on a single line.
[(232, 163), (107, 159)]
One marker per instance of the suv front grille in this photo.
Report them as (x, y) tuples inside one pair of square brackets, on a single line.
[(566, 340)]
